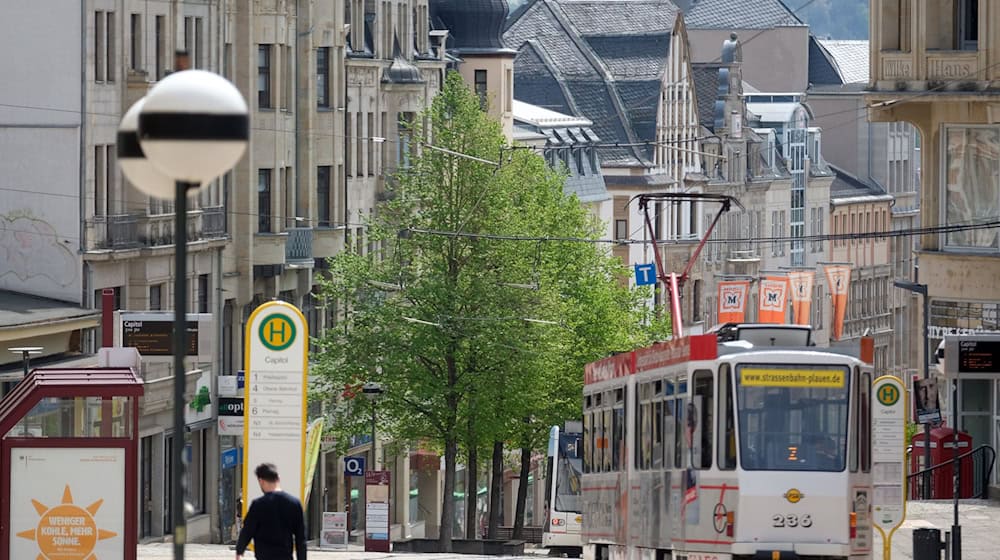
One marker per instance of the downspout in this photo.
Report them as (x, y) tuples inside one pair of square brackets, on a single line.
[(85, 273)]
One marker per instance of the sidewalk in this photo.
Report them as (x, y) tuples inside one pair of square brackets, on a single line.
[(165, 551), (979, 519)]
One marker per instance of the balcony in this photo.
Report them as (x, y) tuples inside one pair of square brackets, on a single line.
[(123, 232), (299, 248), (115, 232)]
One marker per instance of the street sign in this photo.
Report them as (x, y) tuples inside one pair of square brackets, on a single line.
[(645, 274), (889, 413), (354, 466), (275, 396), (377, 492), (230, 458)]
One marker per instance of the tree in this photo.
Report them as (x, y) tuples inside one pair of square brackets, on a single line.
[(457, 314)]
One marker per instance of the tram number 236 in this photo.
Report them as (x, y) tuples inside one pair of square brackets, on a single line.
[(791, 520)]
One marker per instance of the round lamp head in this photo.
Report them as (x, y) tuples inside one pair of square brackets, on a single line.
[(137, 169), (194, 126)]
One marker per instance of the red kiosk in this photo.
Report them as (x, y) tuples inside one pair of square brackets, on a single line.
[(942, 453), (68, 459)]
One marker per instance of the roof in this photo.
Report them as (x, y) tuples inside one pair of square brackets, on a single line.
[(598, 59), (851, 58), (774, 112), (740, 14), (539, 116), (561, 131), (18, 310), (474, 26), (706, 84), (848, 186)]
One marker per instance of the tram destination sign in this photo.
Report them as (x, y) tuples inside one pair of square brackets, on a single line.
[(973, 356)]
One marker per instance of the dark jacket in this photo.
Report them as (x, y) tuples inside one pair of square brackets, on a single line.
[(272, 522)]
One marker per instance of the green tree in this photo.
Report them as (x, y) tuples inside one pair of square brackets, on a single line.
[(471, 316)]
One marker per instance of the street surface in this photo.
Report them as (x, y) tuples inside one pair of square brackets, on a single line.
[(979, 520)]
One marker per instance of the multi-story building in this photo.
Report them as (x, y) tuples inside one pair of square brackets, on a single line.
[(775, 57), (887, 154), (936, 65), (625, 67)]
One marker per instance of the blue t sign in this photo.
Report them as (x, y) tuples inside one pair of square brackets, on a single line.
[(645, 274)]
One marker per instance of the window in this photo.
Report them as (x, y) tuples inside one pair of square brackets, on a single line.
[(161, 46), (194, 41), (701, 414), (323, 195), (264, 200), (100, 181), (968, 25), (971, 185), (621, 230), (204, 288), (264, 76), (288, 185), (480, 88), (404, 128), (801, 428), (349, 143), (135, 45), (156, 297), (727, 420), (100, 46), (323, 77), (371, 144), (287, 78)]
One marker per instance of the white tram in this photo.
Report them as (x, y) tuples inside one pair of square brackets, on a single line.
[(563, 468), (746, 443)]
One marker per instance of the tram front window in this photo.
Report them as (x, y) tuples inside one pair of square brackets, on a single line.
[(793, 417), (568, 479)]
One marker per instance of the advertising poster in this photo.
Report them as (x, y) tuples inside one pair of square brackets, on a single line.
[(334, 533), (67, 504)]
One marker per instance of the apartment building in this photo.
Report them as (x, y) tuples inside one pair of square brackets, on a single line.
[(883, 156), (936, 65)]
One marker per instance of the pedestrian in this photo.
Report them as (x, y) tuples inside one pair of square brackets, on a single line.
[(273, 521)]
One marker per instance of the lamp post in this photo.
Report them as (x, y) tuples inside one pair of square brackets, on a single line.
[(191, 127), (373, 391), (26, 352), (922, 290)]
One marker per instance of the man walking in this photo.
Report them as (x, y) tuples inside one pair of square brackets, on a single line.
[(273, 521)]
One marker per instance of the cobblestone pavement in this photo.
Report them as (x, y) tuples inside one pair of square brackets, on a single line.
[(979, 519)]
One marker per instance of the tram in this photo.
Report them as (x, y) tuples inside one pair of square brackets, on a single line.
[(744, 443), (563, 469)]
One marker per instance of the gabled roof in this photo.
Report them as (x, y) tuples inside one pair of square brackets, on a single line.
[(599, 59), (740, 14)]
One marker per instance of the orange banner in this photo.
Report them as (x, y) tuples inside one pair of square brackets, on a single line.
[(801, 282), (733, 301), (839, 278), (772, 300)]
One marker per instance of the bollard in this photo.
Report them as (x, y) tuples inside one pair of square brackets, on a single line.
[(927, 544)]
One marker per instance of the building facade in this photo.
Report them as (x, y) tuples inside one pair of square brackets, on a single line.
[(935, 66)]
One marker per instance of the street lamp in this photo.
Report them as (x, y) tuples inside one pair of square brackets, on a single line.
[(373, 391), (190, 128), (922, 290), (26, 352)]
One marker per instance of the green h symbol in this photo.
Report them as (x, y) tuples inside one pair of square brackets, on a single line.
[(272, 330)]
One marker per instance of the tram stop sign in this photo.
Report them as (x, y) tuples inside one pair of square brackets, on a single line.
[(889, 415)]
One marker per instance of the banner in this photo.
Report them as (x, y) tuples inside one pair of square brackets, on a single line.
[(801, 282), (772, 300), (733, 301), (839, 278)]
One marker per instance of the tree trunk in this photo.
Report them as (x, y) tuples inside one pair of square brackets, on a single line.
[(448, 505), (496, 480), (522, 492), (472, 494)]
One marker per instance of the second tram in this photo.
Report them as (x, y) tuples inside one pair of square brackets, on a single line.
[(563, 470), (740, 444)]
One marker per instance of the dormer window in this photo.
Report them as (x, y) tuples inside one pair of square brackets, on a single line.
[(578, 156)]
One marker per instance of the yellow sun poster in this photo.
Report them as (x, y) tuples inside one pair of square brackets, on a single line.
[(67, 504)]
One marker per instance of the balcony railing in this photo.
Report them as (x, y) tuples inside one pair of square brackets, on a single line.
[(213, 221), (298, 248), (117, 231)]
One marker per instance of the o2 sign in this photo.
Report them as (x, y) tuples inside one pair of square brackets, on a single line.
[(354, 466)]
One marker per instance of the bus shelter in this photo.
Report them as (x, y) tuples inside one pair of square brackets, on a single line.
[(68, 472)]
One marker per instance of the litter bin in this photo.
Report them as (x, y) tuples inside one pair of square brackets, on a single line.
[(927, 544)]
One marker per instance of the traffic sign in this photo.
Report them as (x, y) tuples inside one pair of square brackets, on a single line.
[(645, 274), (354, 466)]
